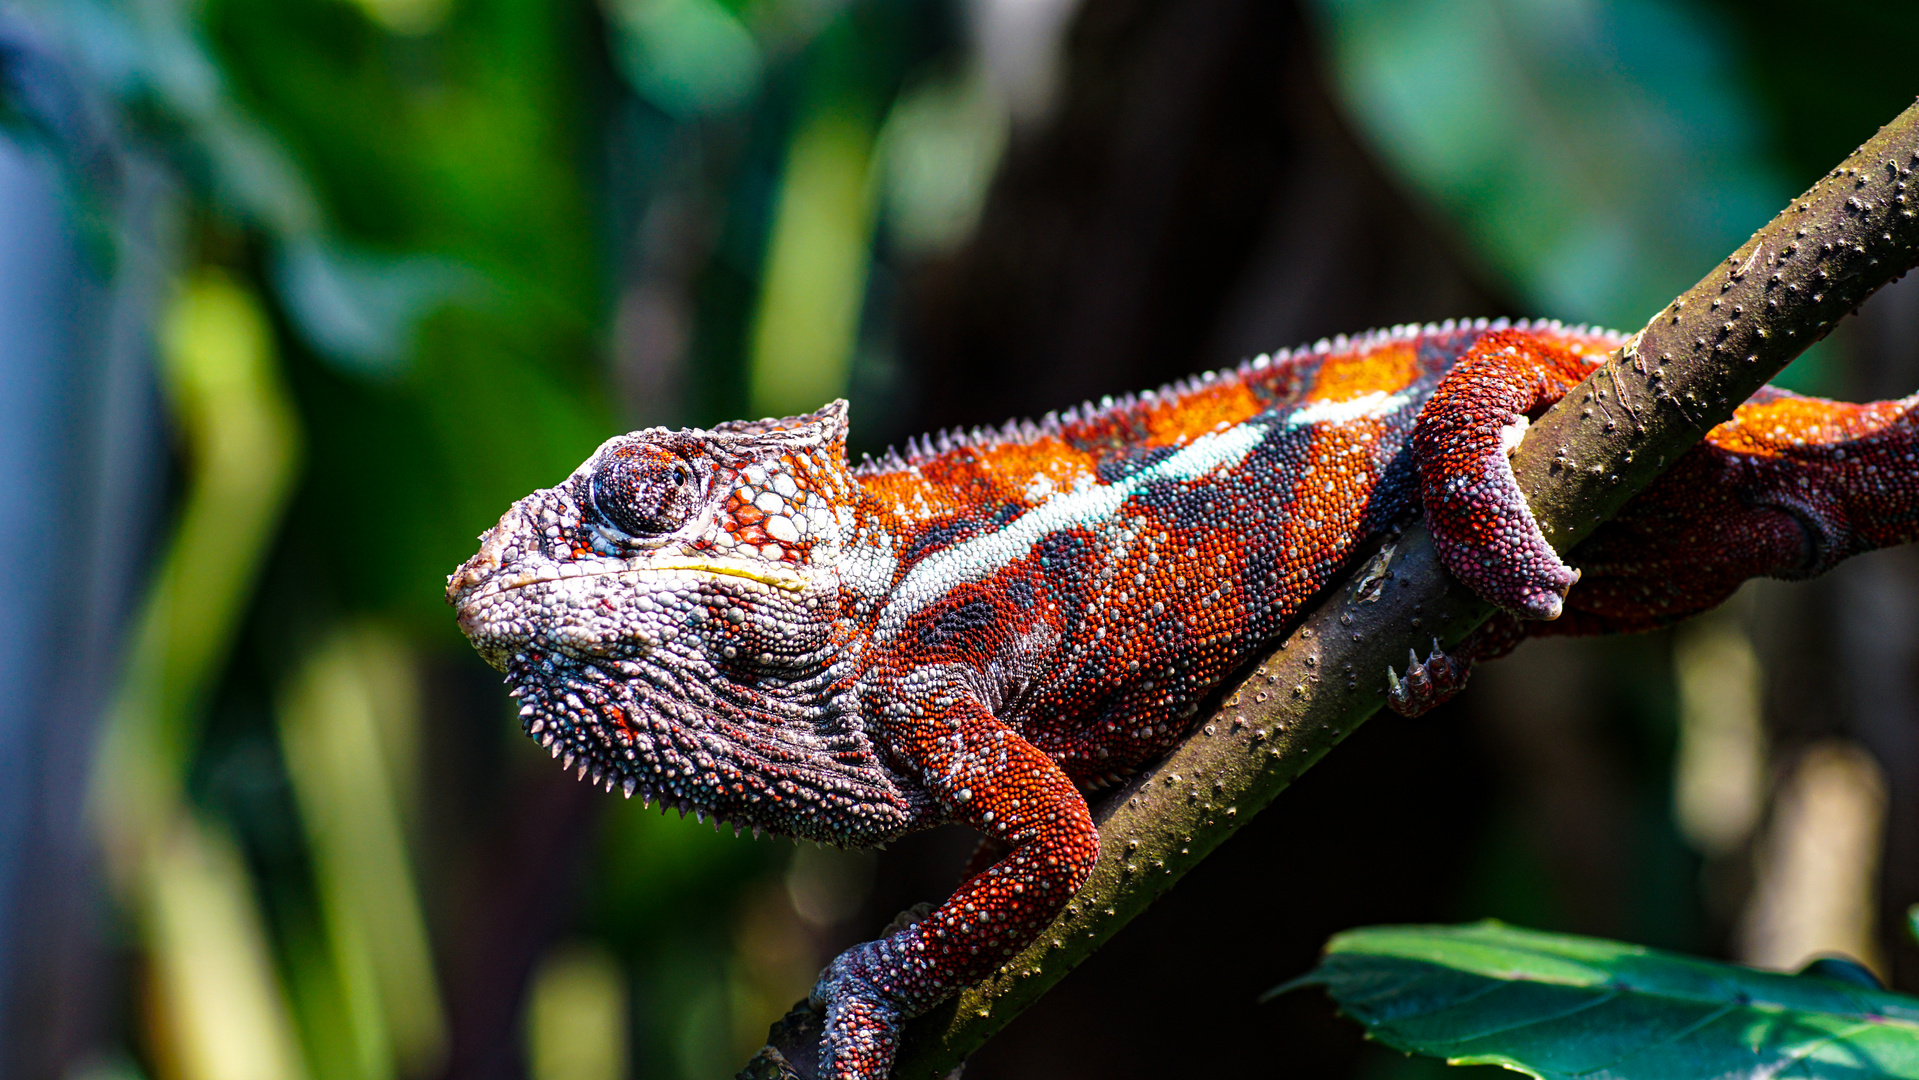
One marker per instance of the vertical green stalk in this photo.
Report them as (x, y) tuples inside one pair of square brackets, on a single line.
[(807, 323), (339, 722), (221, 1008), (576, 1016), (220, 1011)]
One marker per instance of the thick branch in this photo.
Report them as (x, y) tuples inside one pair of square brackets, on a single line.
[(1685, 372)]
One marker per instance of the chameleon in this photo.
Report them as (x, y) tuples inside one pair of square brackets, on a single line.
[(992, 625)]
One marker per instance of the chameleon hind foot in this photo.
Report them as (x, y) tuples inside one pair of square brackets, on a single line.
[(1427, 683)]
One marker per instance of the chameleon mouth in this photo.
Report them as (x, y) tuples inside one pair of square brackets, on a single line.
[(480, 593), (470, 589), (789, 581)]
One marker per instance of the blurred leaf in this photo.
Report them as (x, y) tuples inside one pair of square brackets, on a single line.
[(1842, 969), (408, 17), (331, 722), (220, 1000), (220, 1011), (816, 265), (359, 309), (938, 150), (46, 104), (243, 447), (470, 356), (1720, 775), (355, 308), (1599, 156), (1554, 1005), (325, 1016), (151, 57), (576, 1016), (685, 56)]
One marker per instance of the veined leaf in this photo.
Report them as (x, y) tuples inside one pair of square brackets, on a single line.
[(1557, 1006)]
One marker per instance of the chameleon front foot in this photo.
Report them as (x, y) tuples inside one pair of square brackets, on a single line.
[(863, 1020), (847, 1026), (792, 1046), (1428, 683)]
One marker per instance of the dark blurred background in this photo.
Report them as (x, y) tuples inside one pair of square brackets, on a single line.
[(297, 295)]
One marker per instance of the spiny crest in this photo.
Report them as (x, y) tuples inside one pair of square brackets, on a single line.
[(920, 449), (824, 427)]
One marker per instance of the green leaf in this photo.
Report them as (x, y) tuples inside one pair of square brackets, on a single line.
[(1553, 1005), (360, 310), (686, 56)]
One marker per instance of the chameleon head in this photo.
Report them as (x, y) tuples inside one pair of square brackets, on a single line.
[(668, 616)]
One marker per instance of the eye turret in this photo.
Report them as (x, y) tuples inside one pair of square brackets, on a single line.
[(645, 490)]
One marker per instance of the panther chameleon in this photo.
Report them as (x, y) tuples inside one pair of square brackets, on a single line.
[(988, 627)]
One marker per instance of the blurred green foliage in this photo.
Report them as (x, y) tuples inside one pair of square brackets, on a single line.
[(1597, 154), (480, 236), (501, 390), (1593, 154), (436, 199)]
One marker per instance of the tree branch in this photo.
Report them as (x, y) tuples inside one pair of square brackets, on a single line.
[(1681, 375)]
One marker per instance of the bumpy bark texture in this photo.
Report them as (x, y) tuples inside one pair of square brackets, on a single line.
[(1686, 371)]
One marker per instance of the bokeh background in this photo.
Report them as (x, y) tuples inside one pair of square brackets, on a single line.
[(297, 295)]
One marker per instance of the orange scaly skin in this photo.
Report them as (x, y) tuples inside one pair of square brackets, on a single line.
[(736, 623)]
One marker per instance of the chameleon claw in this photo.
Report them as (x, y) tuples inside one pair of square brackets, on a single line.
[(1427, 682)]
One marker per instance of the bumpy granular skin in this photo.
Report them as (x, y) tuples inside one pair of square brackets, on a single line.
[(736, 623)]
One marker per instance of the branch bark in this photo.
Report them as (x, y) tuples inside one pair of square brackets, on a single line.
[(1678, 377)]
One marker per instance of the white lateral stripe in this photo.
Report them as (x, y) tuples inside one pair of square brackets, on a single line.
[(983, 556), (1363, 407)]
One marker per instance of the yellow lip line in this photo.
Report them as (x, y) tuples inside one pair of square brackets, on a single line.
[(789, 582)]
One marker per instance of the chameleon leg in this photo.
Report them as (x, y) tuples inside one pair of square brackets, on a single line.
[(1788, 488), (1683, 546), (1481, 526), (986, 776), (989, 851)]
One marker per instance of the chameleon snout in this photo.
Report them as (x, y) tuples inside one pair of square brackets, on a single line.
[(472, 574)]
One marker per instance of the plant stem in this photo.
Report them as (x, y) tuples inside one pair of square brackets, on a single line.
[(1685, 372)]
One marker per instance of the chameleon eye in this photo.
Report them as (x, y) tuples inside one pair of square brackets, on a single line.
[(645, 490)]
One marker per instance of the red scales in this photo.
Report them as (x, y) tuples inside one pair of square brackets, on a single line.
[(735, 623)]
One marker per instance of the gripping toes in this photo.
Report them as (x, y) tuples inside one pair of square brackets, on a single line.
[(1482, 528), (1485, 534), (862, 1019), (1428, 683)]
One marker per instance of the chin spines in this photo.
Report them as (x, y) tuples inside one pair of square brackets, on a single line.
[(630, 786)]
